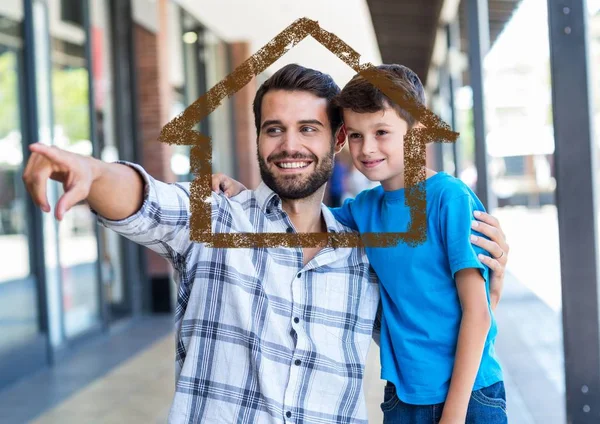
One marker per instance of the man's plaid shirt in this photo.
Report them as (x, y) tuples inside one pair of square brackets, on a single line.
[(261, 338)]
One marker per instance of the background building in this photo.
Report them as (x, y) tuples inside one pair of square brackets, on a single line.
[(519, 79)]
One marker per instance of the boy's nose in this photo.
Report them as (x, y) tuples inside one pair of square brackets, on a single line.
[(369, 145)]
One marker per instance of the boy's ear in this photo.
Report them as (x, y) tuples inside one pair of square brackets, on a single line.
[(418, 125), (340, 138)]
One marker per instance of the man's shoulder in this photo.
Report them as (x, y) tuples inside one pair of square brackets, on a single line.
[(242, 204)]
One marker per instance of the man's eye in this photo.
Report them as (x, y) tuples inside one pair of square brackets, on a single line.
[(273, 130), (308, 129)]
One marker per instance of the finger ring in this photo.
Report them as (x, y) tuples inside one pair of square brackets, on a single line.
[(499, 256)]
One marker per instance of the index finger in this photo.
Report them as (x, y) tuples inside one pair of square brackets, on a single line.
[(51, 153)]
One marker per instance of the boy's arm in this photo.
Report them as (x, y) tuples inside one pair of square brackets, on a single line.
[(344, 214), (474, 327), (471, 277)]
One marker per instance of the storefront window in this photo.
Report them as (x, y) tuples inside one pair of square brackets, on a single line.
[(110, 257), (14, 249), (77, 240), (18, 292), (205, 63)]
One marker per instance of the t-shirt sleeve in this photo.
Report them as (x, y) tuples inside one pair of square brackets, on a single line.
[(456, 218), (344, 214)]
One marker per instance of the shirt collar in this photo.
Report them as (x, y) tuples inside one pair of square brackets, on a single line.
[(267, 199)]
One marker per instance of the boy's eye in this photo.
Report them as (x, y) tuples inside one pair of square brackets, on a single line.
[(354, 136), (381, 132)]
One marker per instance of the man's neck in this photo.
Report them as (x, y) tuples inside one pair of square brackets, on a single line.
[(305, 213)]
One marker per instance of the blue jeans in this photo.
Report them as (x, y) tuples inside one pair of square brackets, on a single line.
[(487, 406)]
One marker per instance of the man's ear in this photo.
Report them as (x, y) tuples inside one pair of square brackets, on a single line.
[(340, 138)]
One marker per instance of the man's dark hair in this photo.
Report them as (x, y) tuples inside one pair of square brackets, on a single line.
[(360, 96), (294, 77)]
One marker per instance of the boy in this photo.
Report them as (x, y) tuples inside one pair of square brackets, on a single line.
[(438, 331)]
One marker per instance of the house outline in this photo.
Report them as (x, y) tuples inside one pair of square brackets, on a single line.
[(180, 131)]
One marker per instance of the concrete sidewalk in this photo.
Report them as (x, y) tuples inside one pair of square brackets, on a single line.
[(139, 390)]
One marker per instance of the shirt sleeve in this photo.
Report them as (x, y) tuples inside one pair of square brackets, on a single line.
[(344, 214), (162, 222), (456, 218)]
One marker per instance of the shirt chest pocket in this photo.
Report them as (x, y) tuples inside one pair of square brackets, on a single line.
[(349, 303)]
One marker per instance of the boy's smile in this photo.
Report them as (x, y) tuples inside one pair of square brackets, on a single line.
[(376, 142), (372, 163)]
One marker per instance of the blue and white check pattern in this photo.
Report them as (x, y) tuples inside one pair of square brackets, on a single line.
[(261, 338)]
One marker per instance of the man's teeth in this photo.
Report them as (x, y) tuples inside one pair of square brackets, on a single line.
[(293, 165)]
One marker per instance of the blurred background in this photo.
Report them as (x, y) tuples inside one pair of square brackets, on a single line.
[(85, 316)]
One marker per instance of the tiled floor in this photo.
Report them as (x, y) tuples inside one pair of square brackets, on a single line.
[(139, 390)]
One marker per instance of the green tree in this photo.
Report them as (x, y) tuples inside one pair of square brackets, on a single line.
[(71, 107), (9, 100), (467, 136)]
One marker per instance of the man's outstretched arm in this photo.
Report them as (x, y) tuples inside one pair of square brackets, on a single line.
[(113, 190), (125, 198)]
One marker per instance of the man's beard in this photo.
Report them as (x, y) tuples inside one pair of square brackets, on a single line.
[(297, 186)]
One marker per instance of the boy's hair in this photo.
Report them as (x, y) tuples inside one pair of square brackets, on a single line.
[(360, 96), (294, 77)]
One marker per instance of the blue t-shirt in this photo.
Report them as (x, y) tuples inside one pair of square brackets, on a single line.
[(420, 303)]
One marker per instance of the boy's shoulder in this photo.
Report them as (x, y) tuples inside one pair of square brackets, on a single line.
[(450, 188), (367, 196)]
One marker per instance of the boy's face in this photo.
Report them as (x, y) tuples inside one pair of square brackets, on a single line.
[(295, 145), (376, 142)]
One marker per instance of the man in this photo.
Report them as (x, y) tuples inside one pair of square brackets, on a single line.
[(263, 335)]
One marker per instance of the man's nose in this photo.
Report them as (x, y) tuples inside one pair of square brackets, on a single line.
[(290, 142)]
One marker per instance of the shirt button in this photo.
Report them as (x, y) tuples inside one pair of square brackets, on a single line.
[(298, 275), (288, 414), (296, 320), (268, 211), (289, 230), (298, 362)]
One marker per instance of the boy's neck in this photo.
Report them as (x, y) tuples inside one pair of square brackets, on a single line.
[(397, 182)]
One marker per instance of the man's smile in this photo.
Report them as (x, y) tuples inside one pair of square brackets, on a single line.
[(292, 165)]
